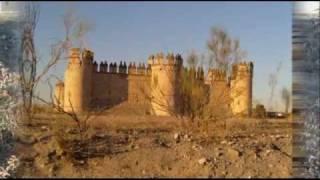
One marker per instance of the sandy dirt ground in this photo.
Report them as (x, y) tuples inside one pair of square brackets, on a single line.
[(128, 145)]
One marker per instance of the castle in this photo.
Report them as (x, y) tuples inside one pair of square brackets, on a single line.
[(88, 85)]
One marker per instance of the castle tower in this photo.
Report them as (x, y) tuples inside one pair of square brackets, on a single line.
[(164, 82), (241, 88), (78, 81)]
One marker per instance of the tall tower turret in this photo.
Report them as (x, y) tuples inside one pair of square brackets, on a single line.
[(241, 88), (164, 82), (78, 81)]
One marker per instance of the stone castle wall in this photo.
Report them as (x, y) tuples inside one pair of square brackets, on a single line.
[(109, 89), (89, 85), (118, 84), (219, 89), (114, 88)]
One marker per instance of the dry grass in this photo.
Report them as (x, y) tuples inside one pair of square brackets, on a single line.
[(143, 146)]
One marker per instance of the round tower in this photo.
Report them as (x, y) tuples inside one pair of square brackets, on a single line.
[(164, 81), (241, 88), (78, 81)]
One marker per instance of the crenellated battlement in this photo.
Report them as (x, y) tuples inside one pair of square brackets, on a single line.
[(87, 56), (196, 73), (78, 57), (60, 84), (242, 69), (169, 59), (74, 52), (246, 64), (218, 74), (122, 68)]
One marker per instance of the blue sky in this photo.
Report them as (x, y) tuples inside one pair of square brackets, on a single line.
[(130, 31)]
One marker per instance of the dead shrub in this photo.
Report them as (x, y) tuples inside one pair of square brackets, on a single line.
[(259, 111)]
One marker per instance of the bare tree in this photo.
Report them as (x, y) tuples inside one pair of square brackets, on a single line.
[(75, 30), (223, 49), (285, 94), (194, 94), (193, 59), (273, 82), (81, 29), (80, 150), (28, 60)]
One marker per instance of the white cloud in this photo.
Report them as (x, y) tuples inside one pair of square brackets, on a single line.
[(308, 7)]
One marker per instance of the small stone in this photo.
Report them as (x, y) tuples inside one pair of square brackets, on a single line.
[(268, 151), (278, 136), (230, 143), (81, 162), (42, 165), (136, 147), (232, 154), (100, 135), (223, 142), (186, 157), (196, 147), (187, 137), (176, 136), (254, 156), (202, 161), (44, 128)]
